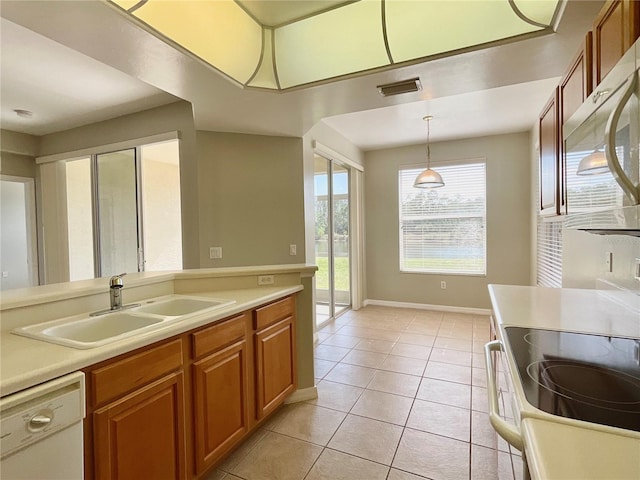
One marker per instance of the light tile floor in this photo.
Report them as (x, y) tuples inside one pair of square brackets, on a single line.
[(401, 396)]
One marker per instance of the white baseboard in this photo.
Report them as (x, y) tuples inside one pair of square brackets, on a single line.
[(426, 306), (302, 395)]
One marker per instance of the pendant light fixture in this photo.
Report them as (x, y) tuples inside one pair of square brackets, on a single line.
[(429, 178), (593, 164)]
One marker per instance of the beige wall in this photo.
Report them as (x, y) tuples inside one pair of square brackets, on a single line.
[(18, 151), (17, 165), (251, 198), (176, 116), (508, 222), (20, 143)]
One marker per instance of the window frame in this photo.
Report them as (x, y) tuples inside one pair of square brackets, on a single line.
[(436, 166)]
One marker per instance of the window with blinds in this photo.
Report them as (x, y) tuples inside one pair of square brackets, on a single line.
[(443, 230), (549, 253)]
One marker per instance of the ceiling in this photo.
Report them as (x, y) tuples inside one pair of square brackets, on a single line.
[(97, 64), (62, 87)]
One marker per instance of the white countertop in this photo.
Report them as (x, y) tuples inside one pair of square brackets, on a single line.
[(25, 362), (564, 452), (568, 309), (557, 448)]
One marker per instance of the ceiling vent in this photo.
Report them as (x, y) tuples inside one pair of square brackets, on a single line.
[(404, 86)]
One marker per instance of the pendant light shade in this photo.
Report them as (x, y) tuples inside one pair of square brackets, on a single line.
[(593, 164), (428, 178)]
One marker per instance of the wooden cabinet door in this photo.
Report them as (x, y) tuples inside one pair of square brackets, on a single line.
[(275, 365), (577, 83), (142, 434), (549, 145), (220, 394), (615, 29)]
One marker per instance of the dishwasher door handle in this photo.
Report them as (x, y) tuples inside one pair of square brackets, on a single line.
[(505, 429)]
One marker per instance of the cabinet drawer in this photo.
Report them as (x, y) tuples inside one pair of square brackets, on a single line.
[(219, 335), (115, 379), (274, 312)]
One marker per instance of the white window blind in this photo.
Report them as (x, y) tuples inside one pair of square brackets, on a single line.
[(443, 230), (549, 253)]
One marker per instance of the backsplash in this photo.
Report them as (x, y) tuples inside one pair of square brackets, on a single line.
[(606, 262)]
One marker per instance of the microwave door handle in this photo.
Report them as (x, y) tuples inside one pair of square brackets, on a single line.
[(628, 187)]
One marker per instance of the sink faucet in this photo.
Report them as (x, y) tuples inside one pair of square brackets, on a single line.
[(115, 296), (115, 291)]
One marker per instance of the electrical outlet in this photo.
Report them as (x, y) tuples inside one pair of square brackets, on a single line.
[(443, 285), (636, 269), (608, 261), (215, 252), (293, 249), (265, 279)]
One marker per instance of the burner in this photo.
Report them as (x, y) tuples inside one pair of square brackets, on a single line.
[(540, 339), (593, 385)]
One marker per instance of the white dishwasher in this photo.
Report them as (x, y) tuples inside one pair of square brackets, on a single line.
[(41, 431)]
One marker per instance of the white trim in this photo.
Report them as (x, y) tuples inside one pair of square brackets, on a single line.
[(331, 154), (426, 306), (111, 147), (302, 395)]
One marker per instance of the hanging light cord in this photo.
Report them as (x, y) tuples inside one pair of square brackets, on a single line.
[(428, 144)]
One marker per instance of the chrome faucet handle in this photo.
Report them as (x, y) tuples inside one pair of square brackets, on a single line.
[(116, 281)]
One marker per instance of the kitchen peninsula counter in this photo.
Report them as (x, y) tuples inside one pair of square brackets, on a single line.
[(557, 448), (25, 362)]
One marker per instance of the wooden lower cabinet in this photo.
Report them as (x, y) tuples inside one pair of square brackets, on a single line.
[(174, 409), (142, 434), (275, 366), (220, 395)]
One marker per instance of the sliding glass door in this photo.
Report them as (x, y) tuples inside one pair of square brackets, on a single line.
[(333, 279), (123, 211), (117, 224)]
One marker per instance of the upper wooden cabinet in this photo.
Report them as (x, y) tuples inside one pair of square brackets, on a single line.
[(615, 29), (577, 83), (549, 144)]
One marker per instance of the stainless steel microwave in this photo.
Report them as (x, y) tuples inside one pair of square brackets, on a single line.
[(602, 142)]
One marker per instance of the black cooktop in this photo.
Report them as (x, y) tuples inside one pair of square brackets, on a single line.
[(587, 377)]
